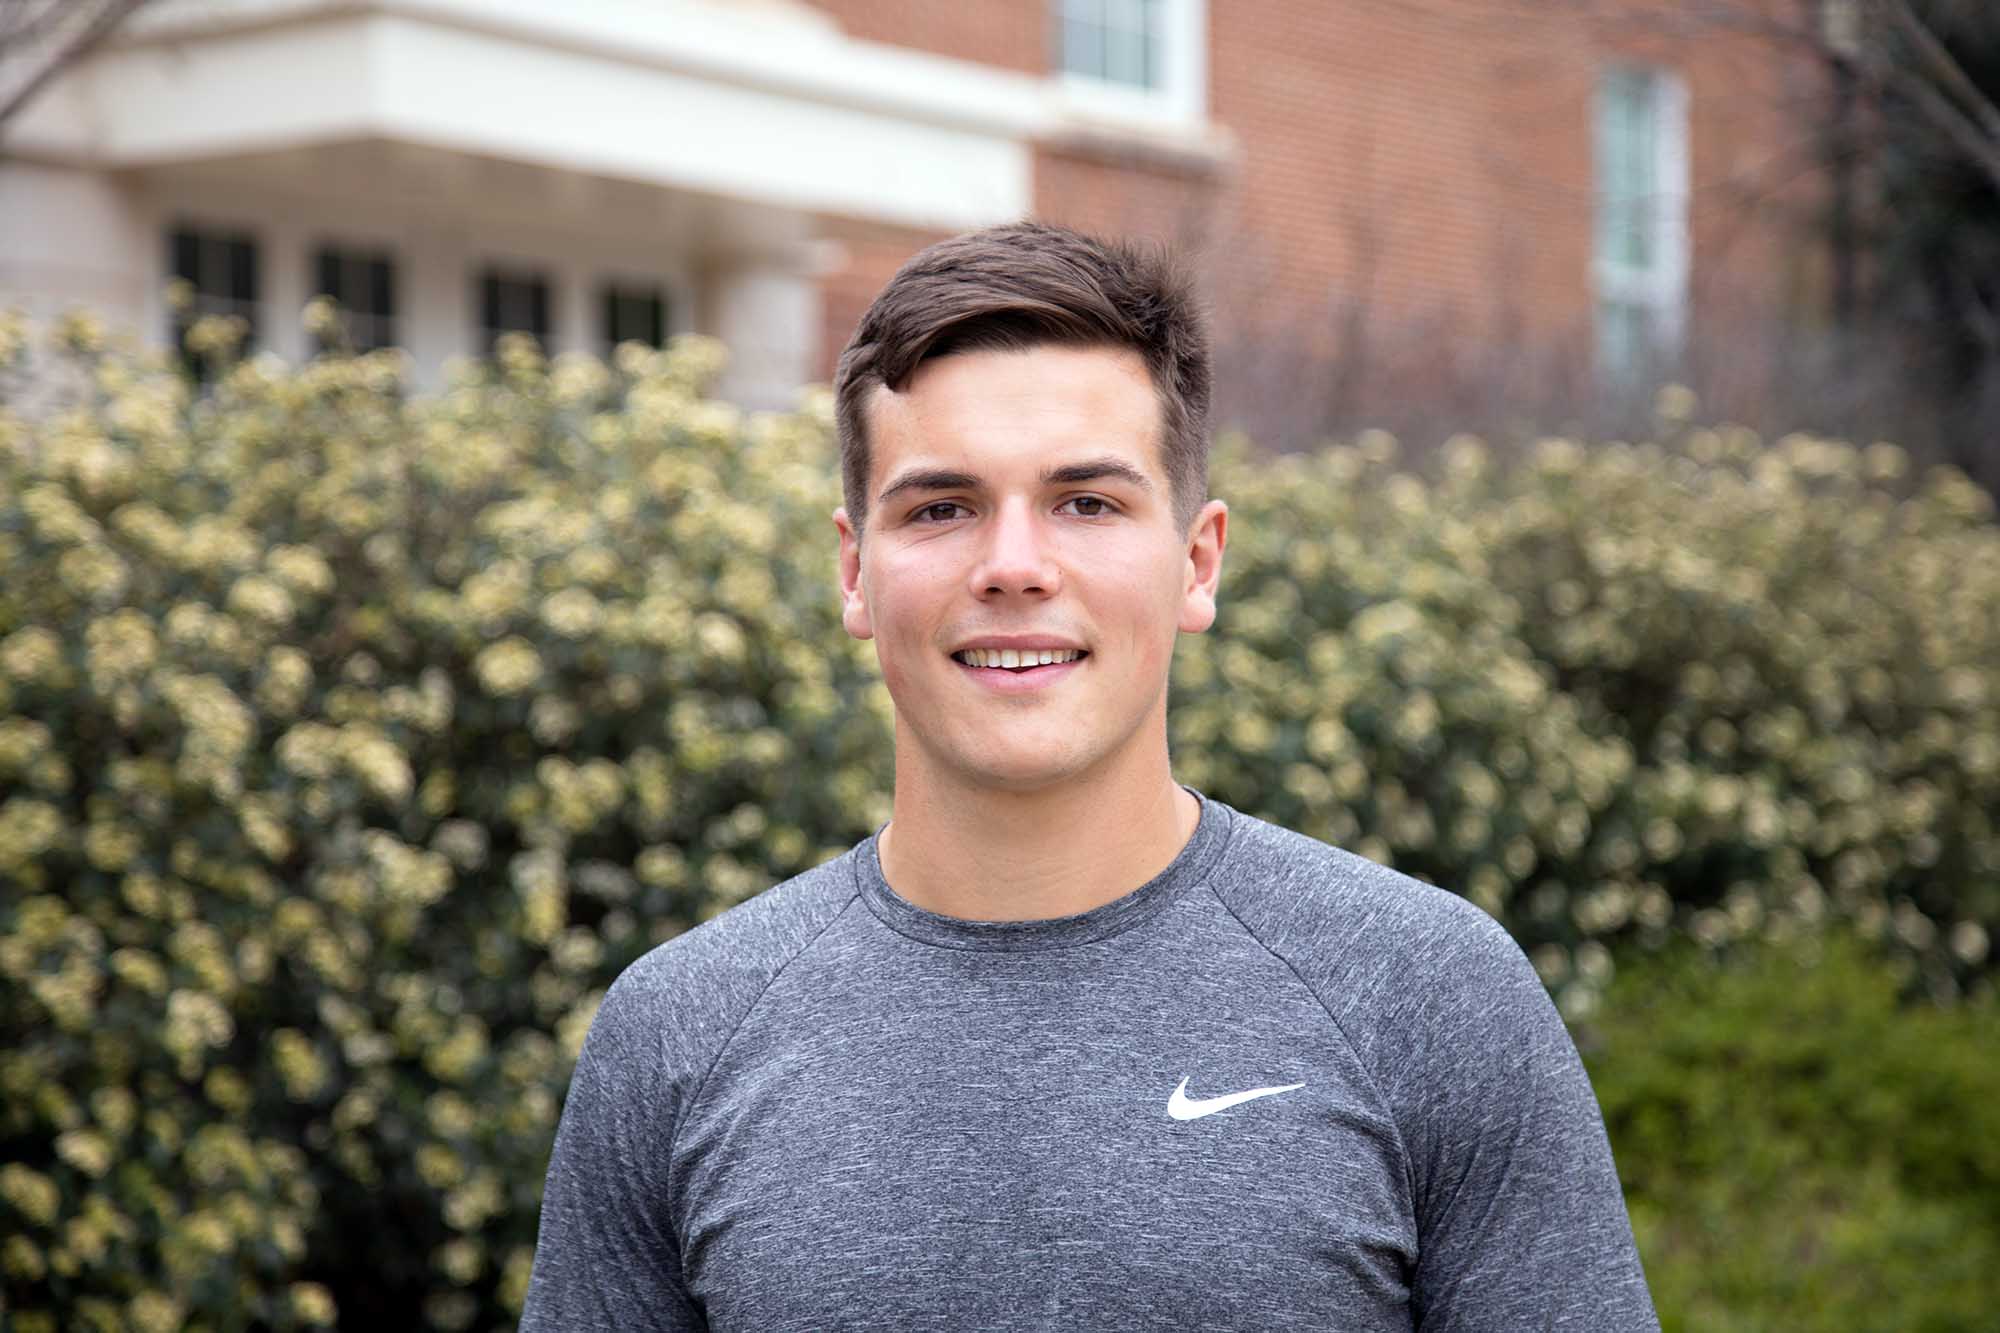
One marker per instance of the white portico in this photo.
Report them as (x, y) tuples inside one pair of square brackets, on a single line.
[(449, 169)]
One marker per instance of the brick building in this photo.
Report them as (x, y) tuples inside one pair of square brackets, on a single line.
[(1421, 192), (1451, 193)]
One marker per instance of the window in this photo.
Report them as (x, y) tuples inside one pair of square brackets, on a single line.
[(512, 301), (1640, 263), (363, 284), (634, 314), (221, 268), (1143, 60), (1118, 41)]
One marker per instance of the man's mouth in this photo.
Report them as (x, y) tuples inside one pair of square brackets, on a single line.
[(1016, 659)]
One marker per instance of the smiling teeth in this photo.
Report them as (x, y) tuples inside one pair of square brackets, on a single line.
[(1010, 657)]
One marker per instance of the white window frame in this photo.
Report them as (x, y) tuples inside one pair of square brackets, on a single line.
[(1182, 93), (1660, 287)]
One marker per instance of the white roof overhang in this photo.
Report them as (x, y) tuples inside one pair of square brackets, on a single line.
[(762, 103)]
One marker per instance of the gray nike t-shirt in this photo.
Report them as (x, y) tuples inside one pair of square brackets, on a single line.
[(828, 1108)]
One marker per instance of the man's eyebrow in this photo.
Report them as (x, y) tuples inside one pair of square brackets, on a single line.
[(944, 479), (929, 479), (1097, 469)]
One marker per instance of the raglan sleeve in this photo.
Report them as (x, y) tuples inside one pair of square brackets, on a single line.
[(606, 1256), (1521, 1222)]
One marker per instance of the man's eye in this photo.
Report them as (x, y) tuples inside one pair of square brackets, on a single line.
[(1102, 508), (930, 512)]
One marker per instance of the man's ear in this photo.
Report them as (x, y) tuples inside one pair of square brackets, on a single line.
[(1205, 541), (853, 601)]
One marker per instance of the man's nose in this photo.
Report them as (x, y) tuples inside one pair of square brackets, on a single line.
[(1017, 556)]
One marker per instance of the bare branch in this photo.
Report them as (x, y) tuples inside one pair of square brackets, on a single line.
[(70, 50), (1949, 72), (1956, 104), (1979, 315), (1982, 150), (22, 22)]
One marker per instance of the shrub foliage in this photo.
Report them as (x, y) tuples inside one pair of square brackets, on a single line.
[(351, 744), (1693, 684), (1799, 1150), (352, 740)]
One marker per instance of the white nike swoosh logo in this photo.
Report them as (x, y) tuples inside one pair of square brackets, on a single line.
[(1183, 1107)]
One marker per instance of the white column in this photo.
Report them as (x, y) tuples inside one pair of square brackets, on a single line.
[(71, 237), (574, 304), (285, 262), (434, 300), (767, 310)]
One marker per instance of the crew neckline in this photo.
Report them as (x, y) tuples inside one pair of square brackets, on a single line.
[(1211, 832)]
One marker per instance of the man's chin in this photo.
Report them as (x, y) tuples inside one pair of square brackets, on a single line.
[(1022, 773)]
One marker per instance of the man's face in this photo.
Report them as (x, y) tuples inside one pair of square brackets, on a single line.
[(1018, 503)]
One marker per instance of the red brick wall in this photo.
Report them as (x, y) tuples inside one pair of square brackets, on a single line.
[(1364, 130), (1097, 188), (1757, 200), (872, 254), (1013, 34), (1425, 169)]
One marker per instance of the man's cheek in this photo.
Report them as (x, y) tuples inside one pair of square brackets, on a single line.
[(893, 674), (896, 652)]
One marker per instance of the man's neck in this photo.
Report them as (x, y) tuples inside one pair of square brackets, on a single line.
[(1008, 856)]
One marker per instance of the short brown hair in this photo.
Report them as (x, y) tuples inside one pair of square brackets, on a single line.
[(1027, 284)]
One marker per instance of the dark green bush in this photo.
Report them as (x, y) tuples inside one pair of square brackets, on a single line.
[(1800, 1148), (351, 741)]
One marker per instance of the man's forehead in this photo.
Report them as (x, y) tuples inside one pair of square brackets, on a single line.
[(1032, 365), (1037, 409)]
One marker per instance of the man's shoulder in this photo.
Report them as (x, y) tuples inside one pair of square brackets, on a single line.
[(1381, 948), (1290, 887), (713, 972)]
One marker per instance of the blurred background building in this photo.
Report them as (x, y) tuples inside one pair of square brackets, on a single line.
[(1416, 203)]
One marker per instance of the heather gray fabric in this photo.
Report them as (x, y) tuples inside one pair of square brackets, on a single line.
[(828, 1109)]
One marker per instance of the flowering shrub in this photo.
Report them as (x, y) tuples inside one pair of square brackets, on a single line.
[(352, 741), (1697, 684), (349, 745)]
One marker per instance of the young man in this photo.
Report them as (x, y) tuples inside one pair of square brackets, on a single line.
[(1065, 1044)]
